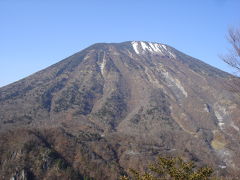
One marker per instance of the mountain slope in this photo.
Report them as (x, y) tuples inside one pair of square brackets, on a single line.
[(124, 103)]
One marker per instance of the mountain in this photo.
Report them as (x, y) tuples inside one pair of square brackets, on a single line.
[(115, 106)]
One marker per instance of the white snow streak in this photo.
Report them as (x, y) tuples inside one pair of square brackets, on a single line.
[(145, 46), (220, 118), (174, 82), (234, 126), (102, 65), (223, 115), (131, 152), (135, 46)]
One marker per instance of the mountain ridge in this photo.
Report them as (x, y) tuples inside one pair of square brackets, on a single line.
[(118, 44)]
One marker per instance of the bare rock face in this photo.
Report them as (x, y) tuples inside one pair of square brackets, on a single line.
[(112, 107)]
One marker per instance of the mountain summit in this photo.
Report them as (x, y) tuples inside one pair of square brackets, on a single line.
[(117, 106)]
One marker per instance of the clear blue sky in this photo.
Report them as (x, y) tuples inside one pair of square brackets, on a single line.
[(36, 34)]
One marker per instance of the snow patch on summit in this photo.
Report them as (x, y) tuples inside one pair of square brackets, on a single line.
[(141, 47), (146, 47)]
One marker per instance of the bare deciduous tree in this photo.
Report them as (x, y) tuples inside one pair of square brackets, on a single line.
[(233, 57)]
